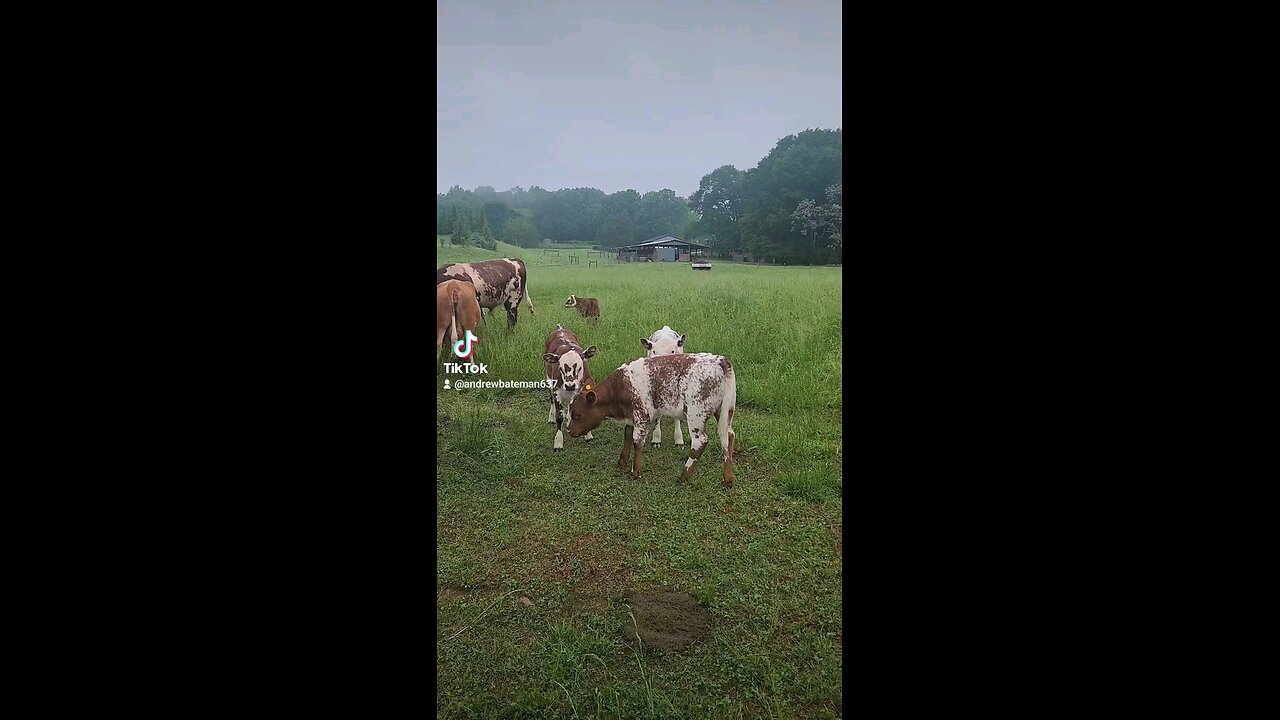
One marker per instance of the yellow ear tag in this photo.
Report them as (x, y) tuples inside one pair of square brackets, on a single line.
[(588, 387)]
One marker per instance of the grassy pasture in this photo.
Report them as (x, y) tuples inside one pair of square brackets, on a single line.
[(537, 550)]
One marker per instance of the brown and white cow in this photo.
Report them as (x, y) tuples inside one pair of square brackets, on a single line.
[(567, 370), (664, 342), (498, 282), (699, 385), (589, 307), (457, 311)]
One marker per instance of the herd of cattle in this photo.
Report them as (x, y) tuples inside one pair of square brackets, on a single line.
[(667, 382)]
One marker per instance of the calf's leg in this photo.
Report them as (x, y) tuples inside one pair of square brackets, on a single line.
[(513, 311), (638, 468), (697, 444), (657, 433), (559, 441), (679, 437), (625, 457)]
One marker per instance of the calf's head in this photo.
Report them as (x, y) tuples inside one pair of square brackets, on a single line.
[(572, 366), (664, 345), (585, 413), (572, 301)]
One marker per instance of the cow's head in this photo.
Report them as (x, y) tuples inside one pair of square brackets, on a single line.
[(585, 413), (572, 366), (664, 345), (572, 301)]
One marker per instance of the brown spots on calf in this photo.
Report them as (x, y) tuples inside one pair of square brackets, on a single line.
[(725, 365), (494, 272)]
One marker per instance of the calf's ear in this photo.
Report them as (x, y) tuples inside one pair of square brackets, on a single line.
[(550, 358), (591, 352), (647, 345), (680, 342)]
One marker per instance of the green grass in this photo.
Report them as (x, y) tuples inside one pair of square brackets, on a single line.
[(572, 535)]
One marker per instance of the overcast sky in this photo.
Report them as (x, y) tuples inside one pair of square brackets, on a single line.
[(617, 95)]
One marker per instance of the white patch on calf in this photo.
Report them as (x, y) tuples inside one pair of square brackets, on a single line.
[(688, 463), (571, 365)]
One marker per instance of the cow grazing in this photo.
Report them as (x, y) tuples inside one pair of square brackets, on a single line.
[(664, 342), (566, 367), (699, 385), (589, 307), (457, 311), (497, 282)]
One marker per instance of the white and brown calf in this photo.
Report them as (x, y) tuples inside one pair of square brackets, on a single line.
[(664, 342), (566, 367), (589, 307), (698, 385), (497, 282)]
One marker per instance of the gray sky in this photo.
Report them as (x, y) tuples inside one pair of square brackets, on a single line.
[(617, 95)]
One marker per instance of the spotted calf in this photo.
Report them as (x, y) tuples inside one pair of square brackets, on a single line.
[(699, 385), (497, 282), (664, 342), (566, 367), (589, 307)]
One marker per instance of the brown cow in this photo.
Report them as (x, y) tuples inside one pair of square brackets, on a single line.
[(589, 307), (699, 385), (457, 311), (567, 370), (498, 282)]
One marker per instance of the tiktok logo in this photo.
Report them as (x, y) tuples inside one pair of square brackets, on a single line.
[(465, 341)]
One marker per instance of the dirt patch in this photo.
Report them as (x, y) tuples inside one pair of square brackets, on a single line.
[(452, 593), (455, 593), (667, 620), (514, 482)]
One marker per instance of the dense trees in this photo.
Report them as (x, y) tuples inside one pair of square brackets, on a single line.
[(760, 211), (785, 209)]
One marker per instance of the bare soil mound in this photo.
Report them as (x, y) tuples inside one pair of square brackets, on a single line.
[(667, 620)]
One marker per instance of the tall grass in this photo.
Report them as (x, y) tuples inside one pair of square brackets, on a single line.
[(780, 327)]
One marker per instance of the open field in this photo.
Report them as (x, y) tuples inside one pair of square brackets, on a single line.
[(538, 552)]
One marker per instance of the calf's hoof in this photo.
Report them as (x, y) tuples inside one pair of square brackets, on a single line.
[(728, 483), (554, 449), (657, 444), (636, 477)]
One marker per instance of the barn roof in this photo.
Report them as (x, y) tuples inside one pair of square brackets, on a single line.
[(666, 241)]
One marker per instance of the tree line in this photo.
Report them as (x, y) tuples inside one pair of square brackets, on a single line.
[(785, 209), (578, 215)]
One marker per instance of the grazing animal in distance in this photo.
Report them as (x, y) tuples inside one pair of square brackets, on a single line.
[(497, 282), (701, 385), (457, 311), (664, 342), (589, 307), (567, 369)]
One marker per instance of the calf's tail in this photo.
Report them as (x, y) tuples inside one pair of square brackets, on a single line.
[(453, 313), (727, 404)]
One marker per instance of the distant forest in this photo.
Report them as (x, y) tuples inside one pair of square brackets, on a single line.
[(788, 208)]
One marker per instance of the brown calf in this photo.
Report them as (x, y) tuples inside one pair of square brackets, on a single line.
[(457, 311), (699, 385), (566, 366), (589, 307)]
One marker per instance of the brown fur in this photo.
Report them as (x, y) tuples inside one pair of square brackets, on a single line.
[(589, 307), (457, 311)]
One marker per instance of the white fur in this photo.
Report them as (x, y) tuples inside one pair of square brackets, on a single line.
[(665, 342)]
